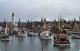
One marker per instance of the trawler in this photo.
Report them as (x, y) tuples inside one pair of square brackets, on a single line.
[(45, 34), (4, 33), (61, 40), (31, 30), (21, 33), (20, 30)]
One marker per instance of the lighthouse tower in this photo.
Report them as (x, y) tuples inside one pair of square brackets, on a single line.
[(13, 18)]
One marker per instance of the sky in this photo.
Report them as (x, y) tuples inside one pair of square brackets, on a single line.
[(35, 9)]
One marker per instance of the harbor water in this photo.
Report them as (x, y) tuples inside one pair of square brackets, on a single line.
[(34, 43)]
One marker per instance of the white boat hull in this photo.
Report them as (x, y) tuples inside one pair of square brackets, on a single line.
[(45, 37), (6, 39), (75, 36), (32, 34), (21, 35)]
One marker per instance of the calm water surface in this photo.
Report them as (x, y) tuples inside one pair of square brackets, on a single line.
[(34, 43)]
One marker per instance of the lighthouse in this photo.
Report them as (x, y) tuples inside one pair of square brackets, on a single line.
[(13, 18)]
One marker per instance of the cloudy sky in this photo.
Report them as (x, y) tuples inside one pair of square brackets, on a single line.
[(35, 9)]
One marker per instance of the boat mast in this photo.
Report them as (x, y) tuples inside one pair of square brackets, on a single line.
[(45, 26), (4, 24), (60, 21), (28, 25), (20, 26), (6, 29), (31, 23), (10, 27), (58, 25)]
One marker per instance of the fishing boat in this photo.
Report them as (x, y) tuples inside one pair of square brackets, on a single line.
[(75, 35), (45, 34), (61, 40), (4, 33), (31, 33), (20, 31), (75, 30), (31, 30)]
